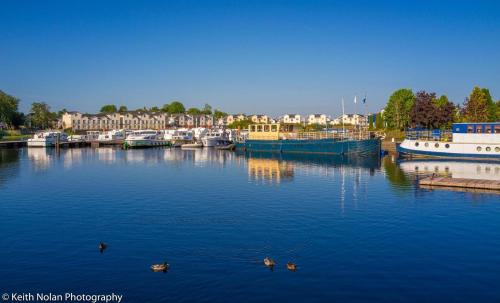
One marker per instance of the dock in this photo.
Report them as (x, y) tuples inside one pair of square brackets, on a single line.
[(476, 184)]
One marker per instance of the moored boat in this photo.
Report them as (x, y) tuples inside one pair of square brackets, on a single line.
[(285, 138), (47, 139), (145, 138), (466, 141), (192, 145)]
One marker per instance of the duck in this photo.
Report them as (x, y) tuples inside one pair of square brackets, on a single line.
[(102, 247), (269, 262), (160, 267), (291, 266)]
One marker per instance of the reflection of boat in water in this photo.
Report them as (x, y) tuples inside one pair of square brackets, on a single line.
[(285, 138), (468, 141), (453, 169), (270, 169)]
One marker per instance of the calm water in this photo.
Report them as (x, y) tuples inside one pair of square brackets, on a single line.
[(359, 229)]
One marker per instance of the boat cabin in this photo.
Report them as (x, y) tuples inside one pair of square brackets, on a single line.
[(270, 131), (486, 132)]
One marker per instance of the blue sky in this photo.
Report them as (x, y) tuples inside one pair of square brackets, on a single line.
[(245, 56)]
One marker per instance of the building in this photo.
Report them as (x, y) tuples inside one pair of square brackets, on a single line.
[(264, 119), (320, 119), (233, 118), (291, 118), (350, 119)]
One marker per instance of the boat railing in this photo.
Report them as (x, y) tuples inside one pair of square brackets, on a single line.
[(429, 135), (317, 135)]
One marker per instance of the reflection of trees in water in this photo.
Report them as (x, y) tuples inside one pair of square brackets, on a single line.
[(394, 174), (9, 164)]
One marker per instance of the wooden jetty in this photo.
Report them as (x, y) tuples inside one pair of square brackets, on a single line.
[(13, 144), (445, 182)]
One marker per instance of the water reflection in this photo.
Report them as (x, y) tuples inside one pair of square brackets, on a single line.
[(9, 164), (276, 168), (452, 169)]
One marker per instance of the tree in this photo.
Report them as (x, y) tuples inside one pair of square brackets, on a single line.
[(8, 108), (108, 109), (176, 108), (122, 109), (194, 111), (219, 114), (423, 110), (155, 109), (379, 121), (397, 110), (445, 112), (40, 115), (476, 107), (207, 109)]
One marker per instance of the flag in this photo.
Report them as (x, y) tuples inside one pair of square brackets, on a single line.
[(364, 100), (355, 99)]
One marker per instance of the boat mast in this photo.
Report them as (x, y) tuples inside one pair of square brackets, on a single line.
[(343, 127)]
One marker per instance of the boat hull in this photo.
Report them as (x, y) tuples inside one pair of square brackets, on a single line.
[(323, 146), (142, 143), (41, 143), (436, 149)]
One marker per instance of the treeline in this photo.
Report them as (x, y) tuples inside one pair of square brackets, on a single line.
[(405, 109), (39, 116), (174, 107)]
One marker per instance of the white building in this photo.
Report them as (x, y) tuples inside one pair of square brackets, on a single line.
[(350, 119), (320, 119), (292, 118)]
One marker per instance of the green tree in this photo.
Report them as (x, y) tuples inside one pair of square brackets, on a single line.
[(397, 110), (175, 107), (155, 109), (379, 121), (194, 111), (477, 107), (122, 109), (219, 114), (41, 115), (207, 109), (8, 108), (241, 124), (108, 109)]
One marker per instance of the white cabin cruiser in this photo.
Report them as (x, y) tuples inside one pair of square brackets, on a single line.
[(467, 141), (47, 139), (215, 138), (145, 138), (112, 135)]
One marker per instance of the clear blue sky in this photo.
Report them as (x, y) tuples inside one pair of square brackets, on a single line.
[(245, 56)]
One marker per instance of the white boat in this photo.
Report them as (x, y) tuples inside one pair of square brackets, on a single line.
[(77, 138), (214, 138), (145, 138), (47, 139), (112, 135), (92, 135), (181, 134), (467, 141)]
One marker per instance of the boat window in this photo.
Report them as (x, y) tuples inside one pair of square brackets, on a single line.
[(447, 145), (436, 145), (266, 128), (470, 129), (497, 149), (426, 144), (488, 148), (487, 129), (479, 129), (497, 129), (417, 144), (259, 128), (274, 128), (479, 148)]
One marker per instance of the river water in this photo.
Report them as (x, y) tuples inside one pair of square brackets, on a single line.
[(359, 229)]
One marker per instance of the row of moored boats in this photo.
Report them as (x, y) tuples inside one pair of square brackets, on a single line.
[(182, 137)]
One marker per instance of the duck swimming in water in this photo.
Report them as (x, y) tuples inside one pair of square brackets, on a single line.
[(160, 267), (269, 262), (291, 266), (102, 247)]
